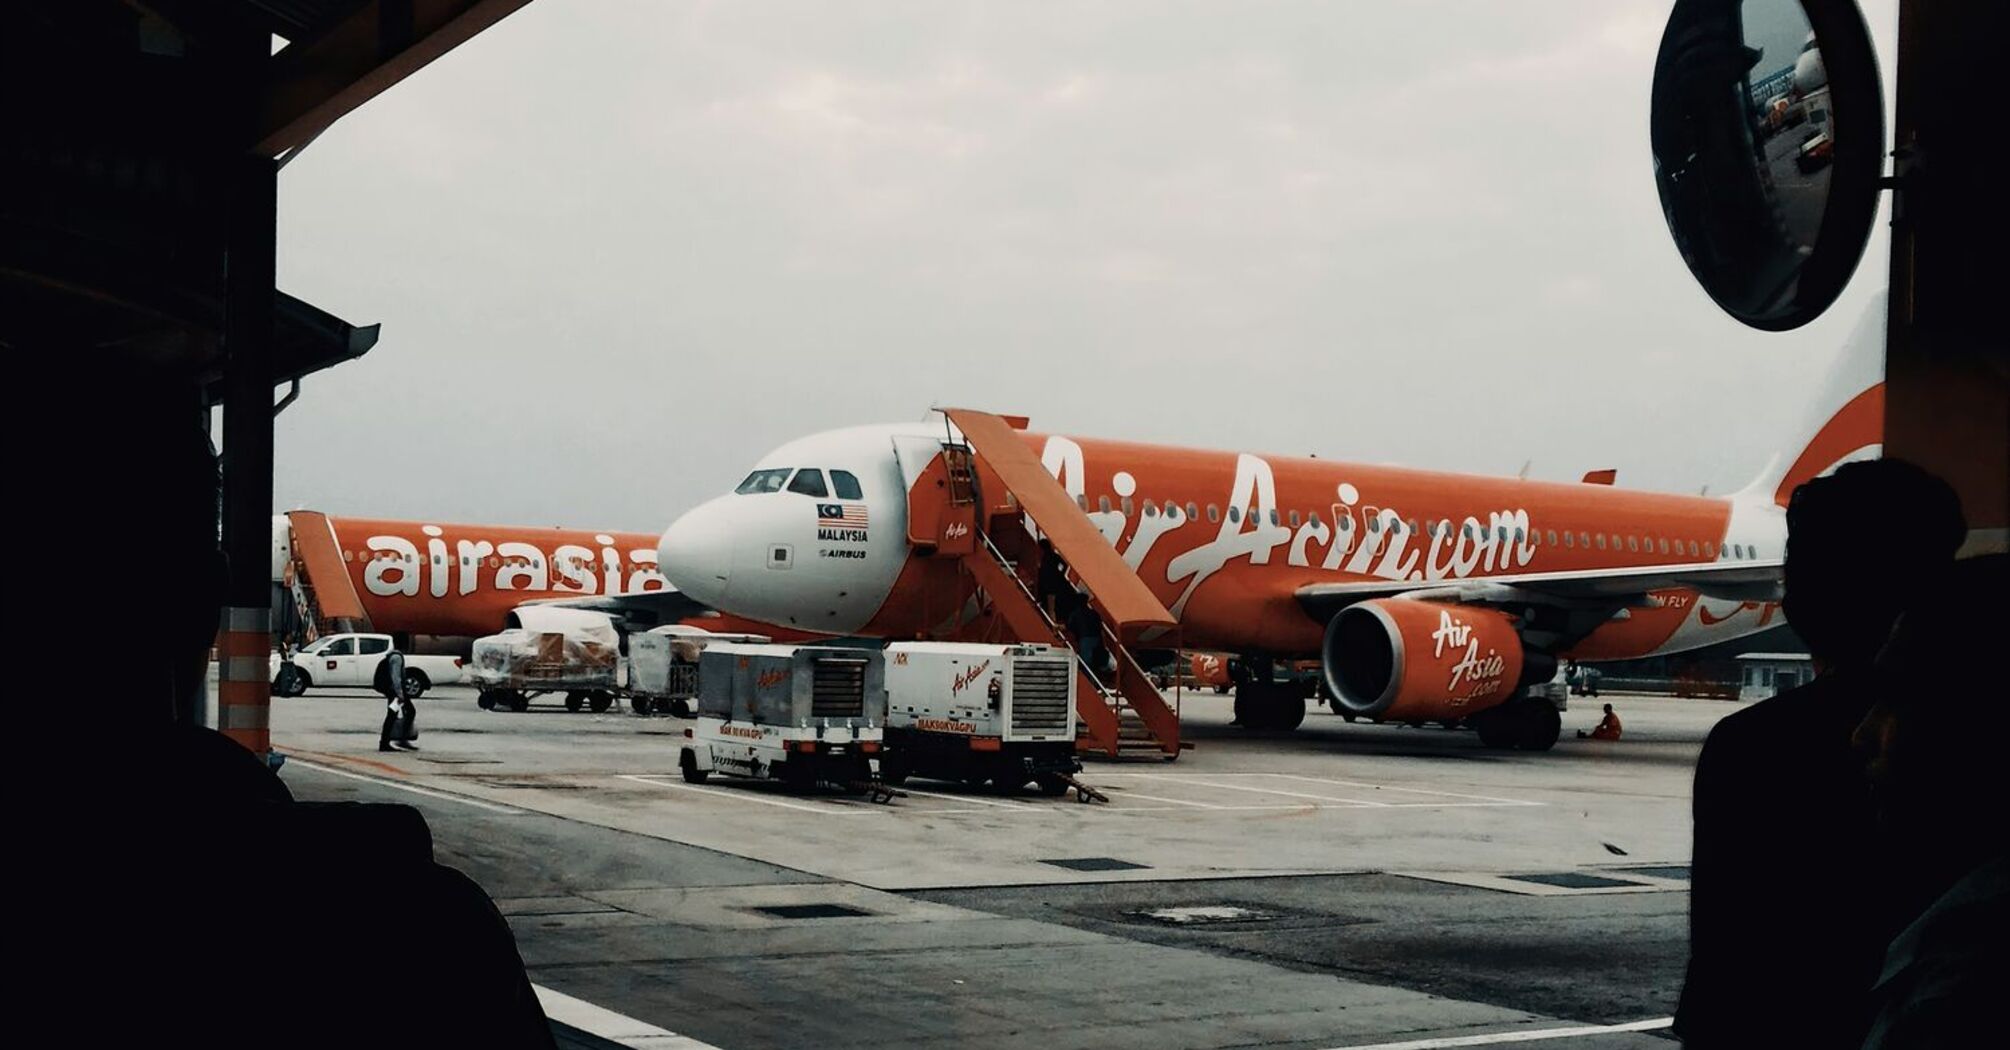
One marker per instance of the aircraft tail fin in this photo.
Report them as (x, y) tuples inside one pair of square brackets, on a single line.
[(1846, 422)]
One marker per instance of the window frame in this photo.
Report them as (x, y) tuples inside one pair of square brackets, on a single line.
[(823, 488), (747, 486)]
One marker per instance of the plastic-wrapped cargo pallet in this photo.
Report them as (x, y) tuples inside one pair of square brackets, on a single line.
[(517, 658), (565, 647)]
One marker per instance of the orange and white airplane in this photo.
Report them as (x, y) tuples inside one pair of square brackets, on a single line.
[(437, 584), (1426, 596)]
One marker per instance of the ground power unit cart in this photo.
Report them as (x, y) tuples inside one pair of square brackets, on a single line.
[(804, 715), (997, 714)]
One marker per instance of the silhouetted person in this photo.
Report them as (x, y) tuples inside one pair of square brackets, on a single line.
[(1051, 585), (1785, 923), (399, 711), (1933, 748), (1608, 728), (1087, 628), (232, 915)]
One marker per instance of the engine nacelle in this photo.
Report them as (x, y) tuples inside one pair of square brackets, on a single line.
[(1399, 660)]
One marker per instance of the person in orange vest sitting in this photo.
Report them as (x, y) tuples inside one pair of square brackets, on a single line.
[(1607, 729)]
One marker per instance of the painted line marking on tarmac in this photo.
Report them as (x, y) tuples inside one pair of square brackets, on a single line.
[(837, 805), (1525, 1036), (605, 1023), (413, 788), (743, 796), (1010, 807), (993, 806), (1000, 803), (1197, 782), (1411, 790), (347, 760), (1128, 793), (1196, 778)]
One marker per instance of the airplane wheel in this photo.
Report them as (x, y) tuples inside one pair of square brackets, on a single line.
[(1540, 726), (1496, 727), (575, 701), (1273, 705)]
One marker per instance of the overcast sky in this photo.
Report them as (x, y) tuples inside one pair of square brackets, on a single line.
[(620, 250)]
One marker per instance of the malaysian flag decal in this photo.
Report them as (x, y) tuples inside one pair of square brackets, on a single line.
[(841, 515)]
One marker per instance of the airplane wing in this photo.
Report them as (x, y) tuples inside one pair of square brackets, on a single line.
[(1601, 588), (635, 610)]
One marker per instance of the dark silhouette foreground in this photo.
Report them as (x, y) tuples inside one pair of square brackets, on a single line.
[(1789, 909), (202, 905)]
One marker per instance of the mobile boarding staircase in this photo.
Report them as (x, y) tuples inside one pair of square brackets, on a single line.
[(987, 484), (322, 594)]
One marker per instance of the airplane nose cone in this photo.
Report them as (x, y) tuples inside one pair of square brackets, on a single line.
[(696, 553)]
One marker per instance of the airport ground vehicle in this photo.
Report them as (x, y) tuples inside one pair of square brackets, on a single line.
[(582, 661), (351, 660), (804, 715), (1815, 152), (593, 663), (978, 713)]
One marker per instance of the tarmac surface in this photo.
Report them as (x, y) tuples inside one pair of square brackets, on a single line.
[(1338, 886)]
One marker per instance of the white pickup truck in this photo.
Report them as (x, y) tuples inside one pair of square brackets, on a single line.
[(351, 660)]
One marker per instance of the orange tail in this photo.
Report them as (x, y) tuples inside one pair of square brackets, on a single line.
[(1847, 422)]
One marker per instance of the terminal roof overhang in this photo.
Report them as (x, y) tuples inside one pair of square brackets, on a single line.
[(123, 119)]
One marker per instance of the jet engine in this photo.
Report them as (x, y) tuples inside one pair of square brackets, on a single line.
[(1403, 660)]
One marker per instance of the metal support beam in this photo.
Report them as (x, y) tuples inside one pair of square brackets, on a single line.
[(243, 690), (318, 81), (1947, 373)]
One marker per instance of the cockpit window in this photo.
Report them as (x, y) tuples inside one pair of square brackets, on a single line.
[(809, 481), (846, 484), (763, 481)]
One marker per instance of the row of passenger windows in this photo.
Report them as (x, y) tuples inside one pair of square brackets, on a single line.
[(1443, 527), (490, 562), (808, 481)]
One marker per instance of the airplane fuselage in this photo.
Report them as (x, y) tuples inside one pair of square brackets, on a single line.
[(1225, 540)]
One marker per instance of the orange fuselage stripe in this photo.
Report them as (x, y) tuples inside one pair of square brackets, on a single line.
[(1234, 584)]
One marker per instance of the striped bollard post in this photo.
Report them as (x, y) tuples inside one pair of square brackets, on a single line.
[(244, 683)]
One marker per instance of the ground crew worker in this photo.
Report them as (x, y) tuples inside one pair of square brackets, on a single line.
[(1087, 628), (1607, 728), (1051, 584), (399, 711)]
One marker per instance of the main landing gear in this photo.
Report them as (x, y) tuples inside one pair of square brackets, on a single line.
[(1526, 723), (1264, 703)]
